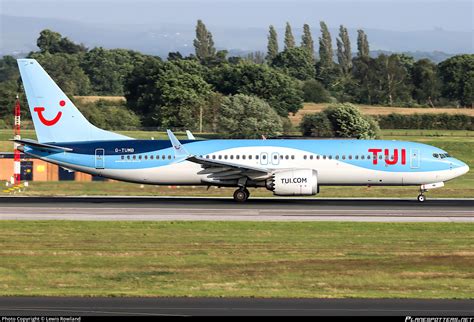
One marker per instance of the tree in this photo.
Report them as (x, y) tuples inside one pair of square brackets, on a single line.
[(203, 44), (52, 42), (325, 47), (457, 75), (317, 125), (170, 94), (348, 122), (394, 79), (426, 84), (243, 116), (366, 84), (272, 47), (315, 92), (289, 38), (296, 62), (326, 72), (344, 54), (8, 69), (281, 91), (307, 40), (362, 44), (107, 69)]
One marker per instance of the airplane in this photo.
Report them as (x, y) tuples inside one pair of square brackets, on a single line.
[(287, 167)]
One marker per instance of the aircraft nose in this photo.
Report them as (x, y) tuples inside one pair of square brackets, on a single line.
[(460, 167)]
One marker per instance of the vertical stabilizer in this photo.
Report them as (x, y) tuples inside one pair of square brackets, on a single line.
[(55, 117)]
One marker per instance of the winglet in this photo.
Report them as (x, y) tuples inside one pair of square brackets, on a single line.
[(190, 135), (179, 150)]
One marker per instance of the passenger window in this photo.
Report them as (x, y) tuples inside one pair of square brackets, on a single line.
[(237, 157), (292, 157), (163, 157), (337, 157), (225, 157), (134, 157), (330, 157), (304, 157), (220, 157), (256, 157), (243, 157), (128, 157), (123, 157), (151, 157), (250, 157)]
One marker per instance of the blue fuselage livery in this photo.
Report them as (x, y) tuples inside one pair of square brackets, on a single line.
[(286, 167)]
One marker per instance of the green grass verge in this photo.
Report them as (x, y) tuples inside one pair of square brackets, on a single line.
[(237, 259)]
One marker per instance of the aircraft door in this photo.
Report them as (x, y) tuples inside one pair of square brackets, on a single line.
[(414, 158), (99, 158)]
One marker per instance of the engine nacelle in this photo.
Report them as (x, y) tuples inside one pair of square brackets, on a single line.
[(300, 182)]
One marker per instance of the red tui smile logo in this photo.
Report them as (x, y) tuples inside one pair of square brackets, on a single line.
[(45, 121)]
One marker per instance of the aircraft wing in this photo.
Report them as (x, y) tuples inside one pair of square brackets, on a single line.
[(219, 172), (222, 170)]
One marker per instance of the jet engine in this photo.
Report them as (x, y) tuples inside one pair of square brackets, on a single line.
[(298, 182)]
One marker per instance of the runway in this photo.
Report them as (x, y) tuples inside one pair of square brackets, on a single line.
[(67, 306), (225, 209)]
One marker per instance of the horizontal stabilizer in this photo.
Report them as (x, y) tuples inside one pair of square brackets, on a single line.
[(44, 146)]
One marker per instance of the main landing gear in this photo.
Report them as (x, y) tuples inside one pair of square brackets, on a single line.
[(241, 194)]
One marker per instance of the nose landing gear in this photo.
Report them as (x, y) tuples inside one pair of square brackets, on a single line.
[(241, 194), (421, 197), (425, 187)]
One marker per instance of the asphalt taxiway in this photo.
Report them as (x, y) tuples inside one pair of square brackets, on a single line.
[(225, 209), (70, 306)]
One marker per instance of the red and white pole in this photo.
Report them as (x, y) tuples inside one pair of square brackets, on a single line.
[(16, 153)]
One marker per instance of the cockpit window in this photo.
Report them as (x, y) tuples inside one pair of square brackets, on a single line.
[(441, 155)]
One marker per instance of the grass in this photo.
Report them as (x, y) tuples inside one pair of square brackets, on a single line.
[(237, 259)]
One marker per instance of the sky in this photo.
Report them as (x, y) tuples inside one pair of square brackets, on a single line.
[(396, 15)]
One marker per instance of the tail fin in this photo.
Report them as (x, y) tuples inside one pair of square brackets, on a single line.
[(55, 117)]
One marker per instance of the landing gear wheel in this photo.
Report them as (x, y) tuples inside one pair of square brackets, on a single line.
[(421, 197), (241, 195)]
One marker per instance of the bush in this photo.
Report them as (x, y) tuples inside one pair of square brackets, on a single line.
[(110, 116), (245, 116), (314, 91), (340, 120), (316, 125), (441, 121), (348, 122)]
